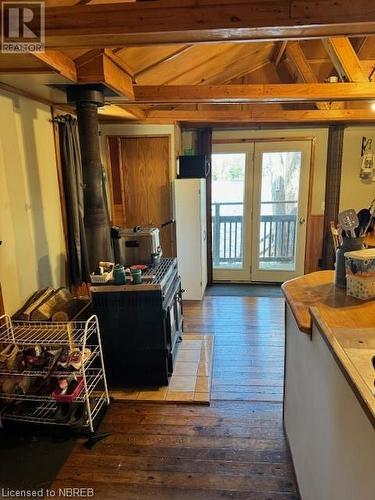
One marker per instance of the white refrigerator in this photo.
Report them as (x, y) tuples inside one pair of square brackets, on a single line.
[(191, 235)]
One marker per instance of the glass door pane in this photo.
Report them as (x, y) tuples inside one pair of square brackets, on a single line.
[(281, 187), (280, 180), (228, 195)]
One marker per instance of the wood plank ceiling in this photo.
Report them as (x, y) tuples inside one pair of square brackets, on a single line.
[(272, 81)]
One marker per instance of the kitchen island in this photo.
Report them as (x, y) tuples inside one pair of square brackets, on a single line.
[(329, 402)]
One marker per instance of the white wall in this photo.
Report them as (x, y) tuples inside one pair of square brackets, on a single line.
[(33, 251)]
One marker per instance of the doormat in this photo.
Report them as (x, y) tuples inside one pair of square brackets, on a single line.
[(191, 379), (243, 290)]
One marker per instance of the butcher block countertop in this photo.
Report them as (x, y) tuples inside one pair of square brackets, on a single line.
[(346, 324), (318, 290)]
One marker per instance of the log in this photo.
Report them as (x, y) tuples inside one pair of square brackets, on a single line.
[(45, 311)]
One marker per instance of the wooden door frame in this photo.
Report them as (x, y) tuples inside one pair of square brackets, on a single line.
[(314, 222), (109, 163), (171, 171), (109, 177)]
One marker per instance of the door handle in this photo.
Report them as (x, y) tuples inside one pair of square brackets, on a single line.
[(302, 220)]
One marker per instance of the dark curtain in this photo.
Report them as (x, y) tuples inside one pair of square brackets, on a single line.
[(78, 259), (332, 193), (204, 147)]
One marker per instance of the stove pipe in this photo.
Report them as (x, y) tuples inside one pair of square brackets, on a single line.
[(87, 99)]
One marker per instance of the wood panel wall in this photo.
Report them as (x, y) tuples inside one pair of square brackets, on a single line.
[(314, 243), (2, 311), (116, 182)]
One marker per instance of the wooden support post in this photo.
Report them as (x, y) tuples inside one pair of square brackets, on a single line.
[(332, 193)]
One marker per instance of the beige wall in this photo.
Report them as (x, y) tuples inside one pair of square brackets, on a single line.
[(129, 129), (355, 192), (32, 253)]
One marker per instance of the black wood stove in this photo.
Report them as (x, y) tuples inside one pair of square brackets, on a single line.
[(141, 326)]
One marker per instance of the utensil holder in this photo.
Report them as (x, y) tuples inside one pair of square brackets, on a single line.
[(348, 245)]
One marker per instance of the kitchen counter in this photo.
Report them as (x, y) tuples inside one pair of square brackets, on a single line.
[(329, 399), (318, 290), (347, 325)]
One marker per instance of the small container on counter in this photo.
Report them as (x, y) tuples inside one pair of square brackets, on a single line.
[(103, 273), (119, 276), (348, 245), (155, 259), (360, 274), (136, 275)]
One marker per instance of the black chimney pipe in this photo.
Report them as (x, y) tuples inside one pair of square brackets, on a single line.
[(87, 99)]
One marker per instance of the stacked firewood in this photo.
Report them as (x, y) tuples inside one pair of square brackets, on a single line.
[(49, 304)]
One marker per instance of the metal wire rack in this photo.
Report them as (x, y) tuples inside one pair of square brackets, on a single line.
[(46, 411), (46, 333), (41, 408), (92, 360)]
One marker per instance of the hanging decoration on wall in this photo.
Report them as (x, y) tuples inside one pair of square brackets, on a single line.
[(367, 171)]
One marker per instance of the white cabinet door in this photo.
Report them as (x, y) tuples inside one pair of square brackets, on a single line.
[(203, 231)]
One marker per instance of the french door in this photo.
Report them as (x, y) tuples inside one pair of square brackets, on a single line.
[(259, 210), (232, 178)]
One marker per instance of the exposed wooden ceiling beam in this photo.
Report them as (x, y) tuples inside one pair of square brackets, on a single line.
[(345, 60), (252, 93), (366, 49), (170, 21), (297, 58), (121, 63), (121, 112), (259, 117), (58, 62), (101, 66), (279, 52), (135, 111)]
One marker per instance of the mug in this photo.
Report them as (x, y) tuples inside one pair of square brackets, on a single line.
[(119, 276), (137, 276)]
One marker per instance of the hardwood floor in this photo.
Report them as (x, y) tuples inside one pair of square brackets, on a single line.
[(234, 448)]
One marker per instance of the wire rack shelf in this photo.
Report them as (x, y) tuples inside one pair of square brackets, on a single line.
[(36, 406)]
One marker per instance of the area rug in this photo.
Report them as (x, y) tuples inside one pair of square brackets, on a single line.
[(191, 379), (31, 460)]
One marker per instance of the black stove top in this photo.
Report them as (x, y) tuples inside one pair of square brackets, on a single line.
[(156, 277)]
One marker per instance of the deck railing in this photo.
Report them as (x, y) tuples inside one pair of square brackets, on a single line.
[(277, 236)]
